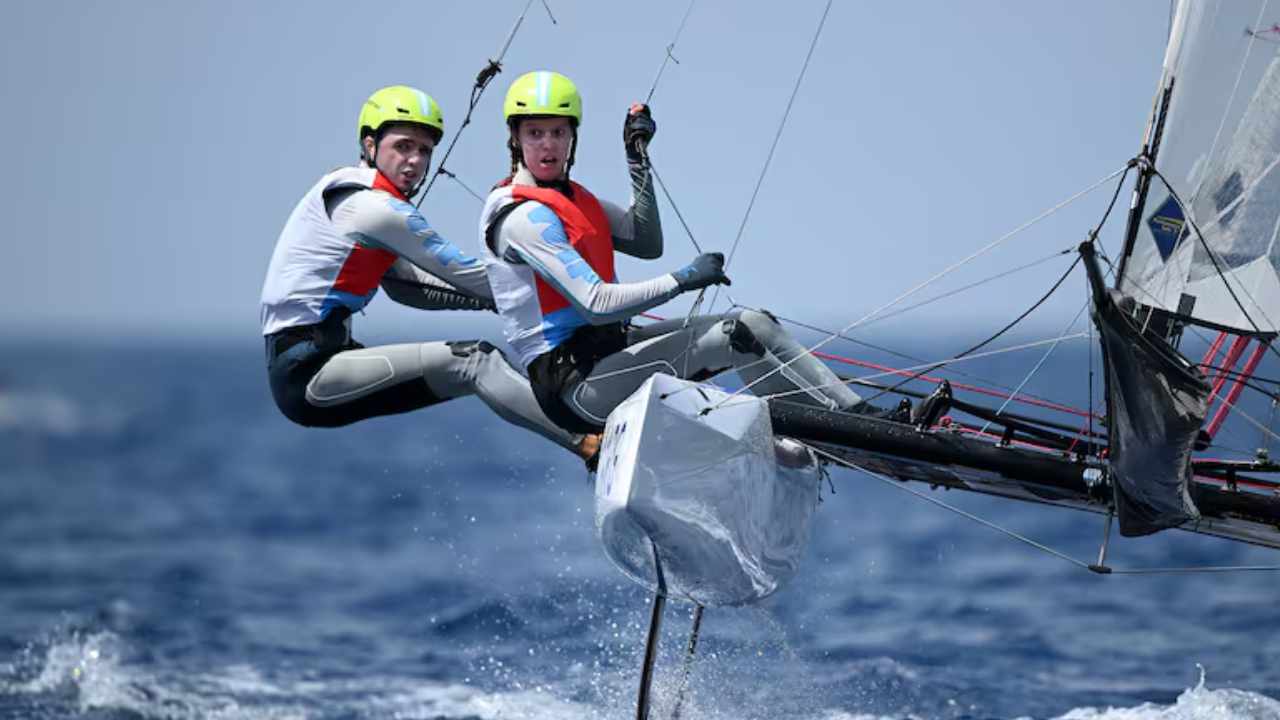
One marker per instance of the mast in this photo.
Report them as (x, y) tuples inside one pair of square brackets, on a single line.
[(1154, 134), (1150, 150)]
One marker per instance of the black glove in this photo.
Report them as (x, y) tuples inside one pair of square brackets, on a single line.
[(637, 131), (706, 269)]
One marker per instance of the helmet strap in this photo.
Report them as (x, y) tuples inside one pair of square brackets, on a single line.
[(573, 153), (371, 159)]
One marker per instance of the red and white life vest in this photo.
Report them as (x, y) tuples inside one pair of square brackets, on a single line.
[(538, 317), (316, 269)]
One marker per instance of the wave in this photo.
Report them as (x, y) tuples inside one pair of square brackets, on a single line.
[(53, 414), (83, 672), (1197, 703)]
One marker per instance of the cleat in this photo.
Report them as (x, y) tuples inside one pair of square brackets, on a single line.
[(927, 412)]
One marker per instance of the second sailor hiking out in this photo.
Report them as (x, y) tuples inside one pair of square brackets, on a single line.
[(549, 246)]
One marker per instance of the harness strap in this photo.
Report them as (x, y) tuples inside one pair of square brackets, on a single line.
[(569, 364)]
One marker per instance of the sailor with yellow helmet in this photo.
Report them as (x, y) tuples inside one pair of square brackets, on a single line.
[(549, 246), (353, 232)]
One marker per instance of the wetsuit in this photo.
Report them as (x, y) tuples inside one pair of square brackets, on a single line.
[(549, 254), (351, 233)]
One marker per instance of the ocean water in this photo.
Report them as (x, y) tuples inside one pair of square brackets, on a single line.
[(170, 547)]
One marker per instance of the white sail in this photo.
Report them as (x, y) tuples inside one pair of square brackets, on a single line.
[(1221, 153)]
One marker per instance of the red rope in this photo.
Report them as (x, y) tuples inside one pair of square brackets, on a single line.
[(1026, 399), (962, 386)]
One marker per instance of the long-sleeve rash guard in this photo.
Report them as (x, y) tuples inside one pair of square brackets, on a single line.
[(347, 236), (530, 239)]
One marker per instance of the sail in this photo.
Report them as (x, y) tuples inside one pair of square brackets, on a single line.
[(1220, 151)]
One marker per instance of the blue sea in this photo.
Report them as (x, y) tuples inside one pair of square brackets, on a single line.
[(171, 547)]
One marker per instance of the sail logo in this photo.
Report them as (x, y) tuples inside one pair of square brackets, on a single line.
[(1168, 226)]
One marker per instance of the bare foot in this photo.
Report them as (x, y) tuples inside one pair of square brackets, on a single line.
[(589, 446)]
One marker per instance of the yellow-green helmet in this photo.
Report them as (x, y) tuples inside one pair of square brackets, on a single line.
[(543, 93), (399, 103)]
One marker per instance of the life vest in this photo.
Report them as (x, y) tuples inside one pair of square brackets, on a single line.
[(315, 269), (538, 317)]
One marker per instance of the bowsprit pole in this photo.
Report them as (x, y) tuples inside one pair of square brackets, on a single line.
[(483, 79)]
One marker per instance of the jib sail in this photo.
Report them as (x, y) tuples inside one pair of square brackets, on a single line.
[(1220, 152)]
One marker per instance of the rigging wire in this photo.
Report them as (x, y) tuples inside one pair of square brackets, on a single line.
[(1093, 238), (671, 201), (669, 56), (942, 273), (899, 371), (483, 79), (1246, 381), (1235, 407), (946, 506), (774, 146), (1230, 372), (832, 457), (1186, 211), (648, 161), (965, 288), (1244, 63), (990, 339), (994, 389), (1043, 359), (458, 180), (904, 356), (922, 304)]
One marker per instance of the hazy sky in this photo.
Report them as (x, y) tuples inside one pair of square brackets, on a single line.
[(160, 145)]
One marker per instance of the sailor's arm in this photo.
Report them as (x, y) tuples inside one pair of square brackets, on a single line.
[(408, 285), (378, 220), (637, 231), (533, 235)]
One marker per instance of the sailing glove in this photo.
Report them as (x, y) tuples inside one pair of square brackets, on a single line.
[(637, 131), (706, 269)]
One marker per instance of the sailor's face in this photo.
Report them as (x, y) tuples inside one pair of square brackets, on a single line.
[(404, 154), (545, 145)]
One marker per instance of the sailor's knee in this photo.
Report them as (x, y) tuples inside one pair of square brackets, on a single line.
[(347, 377), (463, 369), (468, 348), (752, 331)]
